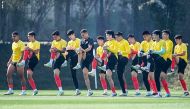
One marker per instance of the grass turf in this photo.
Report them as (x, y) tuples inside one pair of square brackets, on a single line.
[(47, 99)]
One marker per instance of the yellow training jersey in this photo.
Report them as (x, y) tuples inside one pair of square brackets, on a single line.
[(135, 46), (124, 48), (146, 46), (59, 44), (74, 43), (169, 49), (35, 46), (112, 46), (99, 51), (180, 48), (17, 49), (158, 46)]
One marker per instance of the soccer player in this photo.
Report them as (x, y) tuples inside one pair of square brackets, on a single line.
[(159, 55), (148, 76), (32, 54), (123, 53), (17, 52), (86, 55), (111, 48), (168, 57), (180, 56), (72, 54), (58, 47), (135, 47), (100, 59)]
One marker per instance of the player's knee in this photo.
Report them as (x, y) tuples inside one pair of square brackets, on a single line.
[(180, 76)]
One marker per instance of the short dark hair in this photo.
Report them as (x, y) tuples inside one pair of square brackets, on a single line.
[(15, 33), (166, 31), (32, 33), (100, 37), (157, 32), (70, 32), (119, 34), (56, 33), (146, 33), (110, 32), (131, 36), (178, 36), (83, 31)]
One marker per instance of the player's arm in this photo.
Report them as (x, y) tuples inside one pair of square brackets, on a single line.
[(10, 60), (162, 50), (89, 46), (113, 49), (169, 48), (127, 49), (183, 53)]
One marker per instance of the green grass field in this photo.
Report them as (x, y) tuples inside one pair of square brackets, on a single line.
[(49, 100)]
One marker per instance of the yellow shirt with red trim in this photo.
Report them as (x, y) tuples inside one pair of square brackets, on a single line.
[(74, 43), (124, 48), (169, 49), (60, 45), (35, 46), (135, 46), (112, 46), (17, 50), (158, 46), (180, 48), (146, 46), (99, 51)]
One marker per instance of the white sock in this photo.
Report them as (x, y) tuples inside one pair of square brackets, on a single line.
[(51, 61), (60, 88), (94, 70), (137, 90), (105, 90)]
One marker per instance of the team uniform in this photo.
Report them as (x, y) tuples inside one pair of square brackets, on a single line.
[(60, 45), (73, 56), (135, 61), (159, 55), (123, 55), (17, 51), (89, 55), (149, 84)]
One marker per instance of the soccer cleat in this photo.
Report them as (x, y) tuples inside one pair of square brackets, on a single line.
[(89, 93), (91, 73), (49, 64), (148, 94), (60, 93), (78, 66), (186, 94), (9, 92), (137, 93), (105, 94), (77, 92), (64, 64), (114, 94), (102, 68), (35, 92), (168, 95), (23, 92), (123, 94), (20, 64), (158, 96)]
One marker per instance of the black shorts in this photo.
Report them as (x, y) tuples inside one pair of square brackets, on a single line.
[(181, 66), (167, 65), (87, 61), (112, 61), (160, 63), (32, 62), (14, 64), (58, 62), (135, 61), (101, 71)]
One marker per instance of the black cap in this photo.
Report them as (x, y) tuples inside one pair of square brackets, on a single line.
[(32, 33), (146, 33), (119, 34), (69, 32), (56, 33), (178, 36)]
